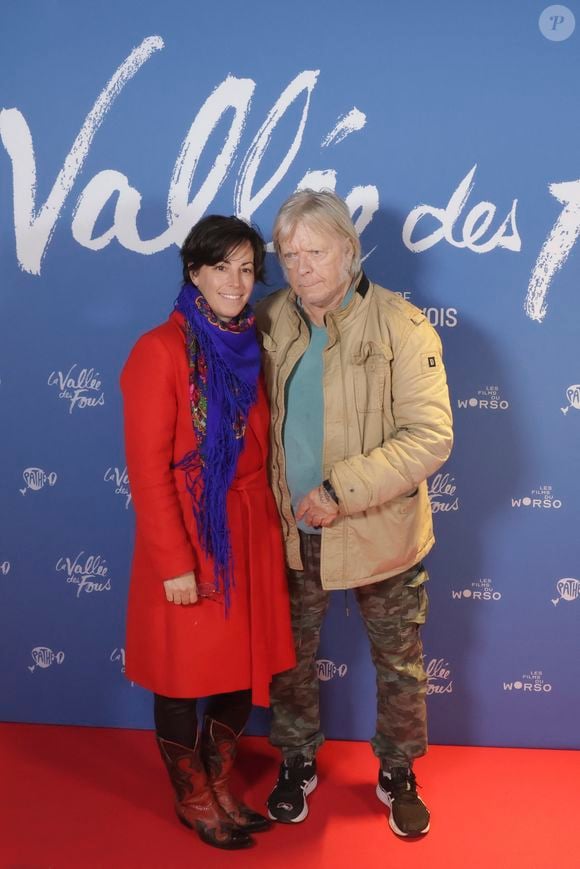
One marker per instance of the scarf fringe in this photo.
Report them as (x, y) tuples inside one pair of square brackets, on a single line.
[(210, 468)]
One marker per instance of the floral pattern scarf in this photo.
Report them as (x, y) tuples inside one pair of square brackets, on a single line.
[(224, 364)]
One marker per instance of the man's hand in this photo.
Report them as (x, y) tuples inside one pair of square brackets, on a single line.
[(181, 589), (317, 508)]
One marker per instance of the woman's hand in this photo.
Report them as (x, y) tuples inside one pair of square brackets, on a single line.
[(181, 589)]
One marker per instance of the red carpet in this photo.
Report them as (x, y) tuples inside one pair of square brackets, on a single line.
[(83, 798)]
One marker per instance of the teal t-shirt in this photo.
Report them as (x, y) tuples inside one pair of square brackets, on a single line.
[(304, 421)]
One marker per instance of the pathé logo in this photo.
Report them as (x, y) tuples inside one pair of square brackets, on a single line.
[(89, 573), (81, 388), (573, 396), (442, 493), (44, 658), (568, 589), (36, 479), (327, 670), (120, 480)]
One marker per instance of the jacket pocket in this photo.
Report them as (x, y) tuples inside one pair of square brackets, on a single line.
[(369, 376)]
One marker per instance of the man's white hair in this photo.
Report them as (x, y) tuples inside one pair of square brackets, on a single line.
[(322, 210)]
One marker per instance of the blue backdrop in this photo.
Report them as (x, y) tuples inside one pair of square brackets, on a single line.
[(453, 130)]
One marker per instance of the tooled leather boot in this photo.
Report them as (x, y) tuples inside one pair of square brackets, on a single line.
[(219, 749), (195, 803)]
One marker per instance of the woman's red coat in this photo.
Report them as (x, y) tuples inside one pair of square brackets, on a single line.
[(197, 650)]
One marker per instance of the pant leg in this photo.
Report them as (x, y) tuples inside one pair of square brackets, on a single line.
[(232, 709), (294, 694), (393, 611), (176, 719)]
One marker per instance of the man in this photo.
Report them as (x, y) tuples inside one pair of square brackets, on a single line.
[(360, 418)]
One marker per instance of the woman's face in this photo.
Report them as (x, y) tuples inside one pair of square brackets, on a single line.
[(227, 285)]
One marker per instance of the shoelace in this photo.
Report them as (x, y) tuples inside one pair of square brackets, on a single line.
[(402, 785), (294, 772)]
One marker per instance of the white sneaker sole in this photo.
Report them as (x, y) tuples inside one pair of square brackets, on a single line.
[(386, 800), (309, 787)]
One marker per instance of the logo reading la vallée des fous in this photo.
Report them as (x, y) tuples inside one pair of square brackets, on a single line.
[(90, 573), (573, 396), (530, 683), (488, 398), (81, 388), (327, 670), (480, 590), (443, 493), (120, 479), (44, 658), (541, 498), (568, 589), (117, 656), (36, 479), (439, 679)]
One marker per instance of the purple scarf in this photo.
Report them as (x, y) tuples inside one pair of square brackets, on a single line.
[(224, 363)]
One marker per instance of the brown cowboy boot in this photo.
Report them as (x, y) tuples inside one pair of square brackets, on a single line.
[(219, 748), (196, 805)]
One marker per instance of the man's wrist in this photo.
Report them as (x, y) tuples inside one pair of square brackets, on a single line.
[(329, 489)]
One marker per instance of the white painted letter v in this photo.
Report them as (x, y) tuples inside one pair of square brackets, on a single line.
[(34, 230)]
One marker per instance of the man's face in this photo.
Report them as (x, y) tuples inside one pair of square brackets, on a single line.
[(317, 265)]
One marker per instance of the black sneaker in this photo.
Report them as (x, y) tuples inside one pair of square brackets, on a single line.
[(397, 789), (287, 802)]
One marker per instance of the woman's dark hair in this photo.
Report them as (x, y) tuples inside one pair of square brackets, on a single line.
[(214, 238)]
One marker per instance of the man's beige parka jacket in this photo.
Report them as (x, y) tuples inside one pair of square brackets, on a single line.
[(387, 427)]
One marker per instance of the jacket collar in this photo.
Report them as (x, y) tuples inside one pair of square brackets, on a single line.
[(362, 285)]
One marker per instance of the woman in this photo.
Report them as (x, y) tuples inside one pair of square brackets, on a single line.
[(208, 604)]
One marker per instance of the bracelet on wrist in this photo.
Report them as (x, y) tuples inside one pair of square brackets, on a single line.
[(329, 488)]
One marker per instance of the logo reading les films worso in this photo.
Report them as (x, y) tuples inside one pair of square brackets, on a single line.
[(479, 590), (530, 683), (487, 398), (80, 387), (541, 498)]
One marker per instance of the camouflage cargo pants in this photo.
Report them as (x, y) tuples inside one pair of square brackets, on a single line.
[(392, 611)]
